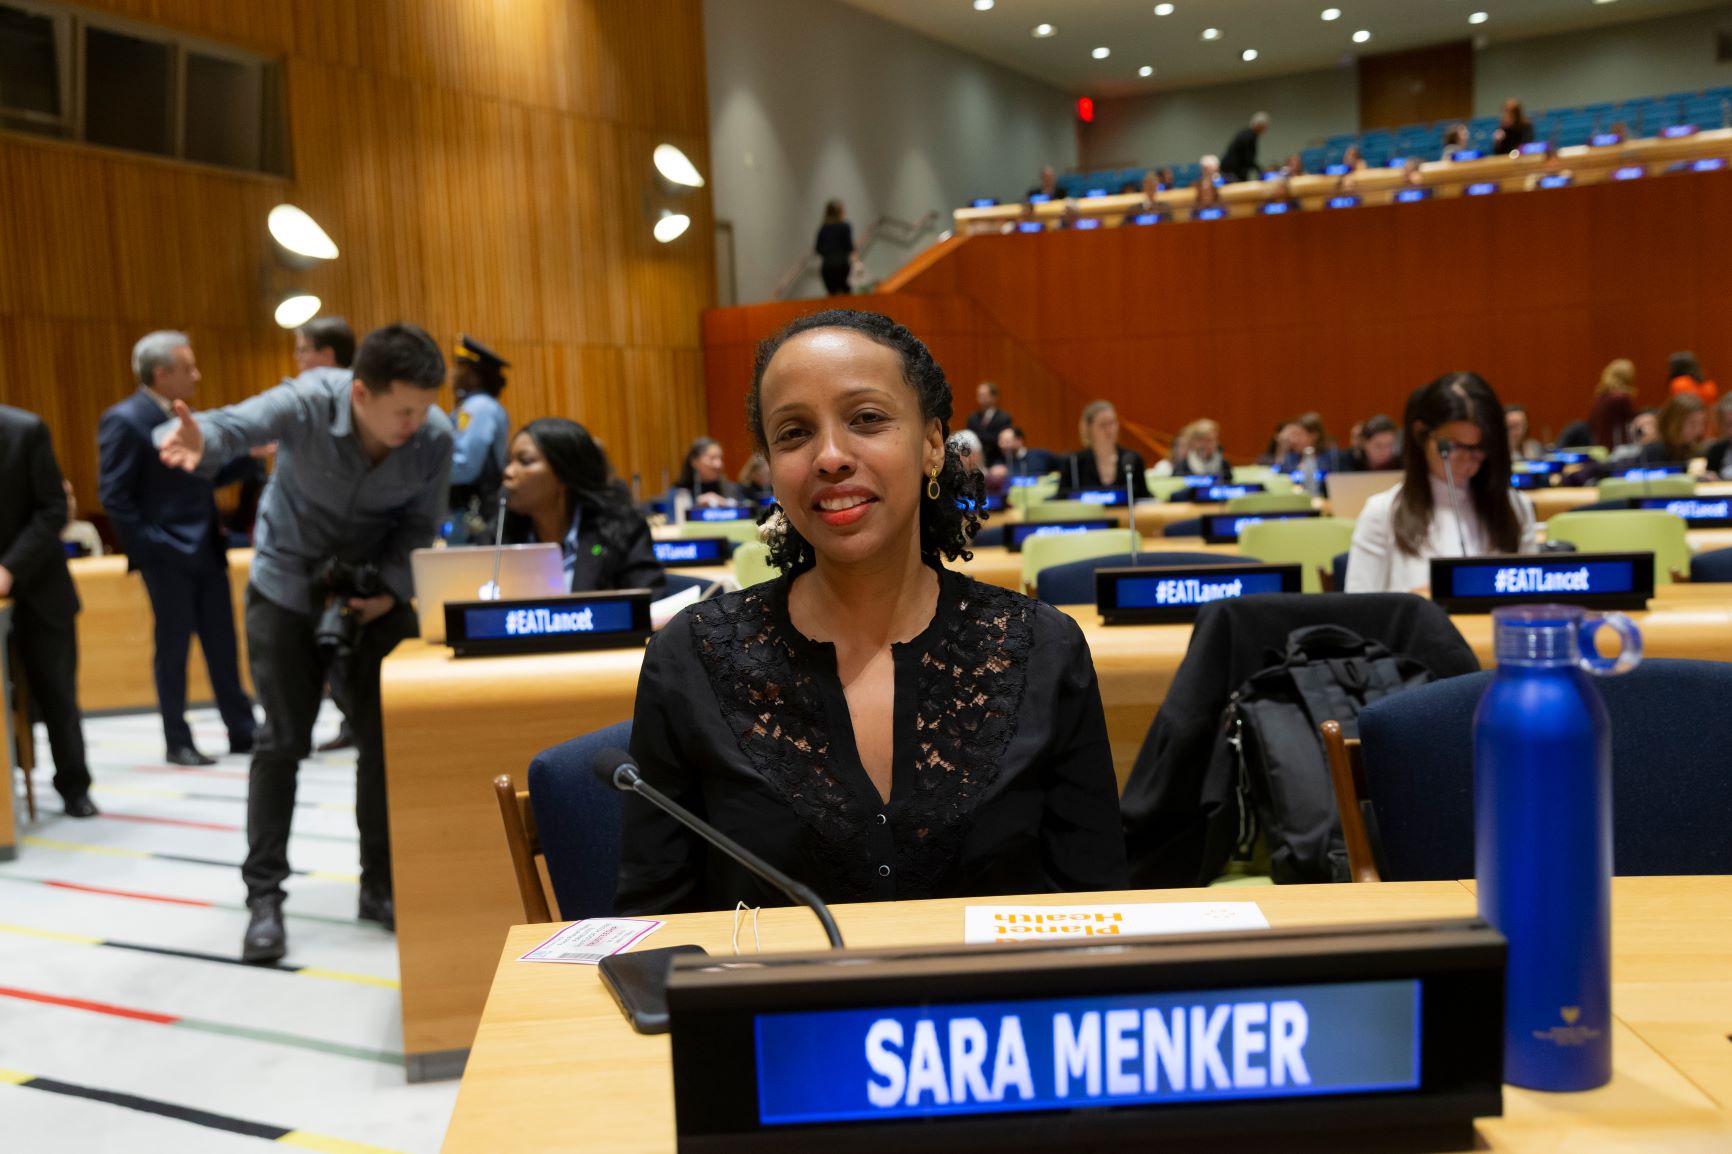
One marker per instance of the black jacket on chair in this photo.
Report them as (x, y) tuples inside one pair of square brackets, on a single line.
[(32, 514), (163, 517), (599, 566), (1180, 809)]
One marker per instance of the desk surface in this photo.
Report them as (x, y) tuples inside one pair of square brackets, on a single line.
[(554, 1059)]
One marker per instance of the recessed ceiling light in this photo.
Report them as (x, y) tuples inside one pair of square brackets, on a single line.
[(1211, 34), (1044, 30), (1602, 1), (1332, 14), (1146, 70), (1101, 53), (1163, 9), (1478, 18), (984, 5), (1361, 36), (1248, 55)]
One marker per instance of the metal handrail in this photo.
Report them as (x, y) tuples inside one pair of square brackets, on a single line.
[(898, 231)]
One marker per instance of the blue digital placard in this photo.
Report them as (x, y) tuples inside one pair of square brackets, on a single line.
[(1039, 197), (1209, 214), (1096, 192), (1556, 180), (1629, 172), (1412, 195), (1537, 466), (1343, 202), (1335, 170), (1020, 533), (1464, 154), (1181, 592), (1087, 222), (694, 551), (1102, 497), (1605, 139), (1544, 576), (1692, 509), (1025, 480), (1227, 526), (720, 513), (1147, 218), (1481, 188), (1569, 456), (503, 621), (1275, 208), (1653, 472), (1030, 226), (1678, 130), (1215, 493), (1072, 1053), (1529, 480), (1708, 164), (983, 202), (1534, 148)]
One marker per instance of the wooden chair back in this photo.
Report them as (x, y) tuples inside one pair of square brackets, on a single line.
[(525, 846), (1347, 775)]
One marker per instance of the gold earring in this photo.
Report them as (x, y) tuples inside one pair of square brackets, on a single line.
[(932, 485)]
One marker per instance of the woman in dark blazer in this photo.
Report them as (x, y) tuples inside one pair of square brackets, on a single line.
[(557, 489), (1102, 462)]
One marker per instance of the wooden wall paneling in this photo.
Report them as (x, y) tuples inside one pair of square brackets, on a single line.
[(1415, 86)]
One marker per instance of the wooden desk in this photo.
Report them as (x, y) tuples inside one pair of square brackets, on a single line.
[(116, 635), (8, 756), (554, 1059), (451, 726)]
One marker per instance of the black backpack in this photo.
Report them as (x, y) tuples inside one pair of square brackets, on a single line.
[(1271, 737)]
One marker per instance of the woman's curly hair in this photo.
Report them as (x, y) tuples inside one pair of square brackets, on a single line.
[(947, 524)]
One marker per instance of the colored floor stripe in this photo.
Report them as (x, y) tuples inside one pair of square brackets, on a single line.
[(281, 1135), (134, 895), (89, 1007), (178, 822), (201, 956), (122, 851), (129, 894), (104, 788)]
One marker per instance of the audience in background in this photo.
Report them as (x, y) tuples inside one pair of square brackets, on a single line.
[(1020, 460), (1302, 433), (1102, 463), (1048, 186), (1401, 530), (969, 451), (702, 480), (1281, 192), (1196, 453), (1522, 447), (988, 420), (1686, 376), (557, 488), (1454, 140), (835, 249), (1644, 430), (1353, 160), (1293, 166), (1207, 193), (1614, 405), (1412, 175), (1378, 448), (1151, 188), (1683, 431), (754, 479), (1513, 130), (1239, 162)]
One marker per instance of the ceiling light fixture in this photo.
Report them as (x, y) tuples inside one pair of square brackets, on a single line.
[(1163, 9), (983, 5), (677, 167), (1332, 14), (299, 233), (1478, 18), (1248, 55), (296, 309), (672, 226), (1211, 34), (1042, 31), (1146, 70), (1101, 53), (1361, 36)]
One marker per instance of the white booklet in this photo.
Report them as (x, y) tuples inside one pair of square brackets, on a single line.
[(587, 942), (983, 924)]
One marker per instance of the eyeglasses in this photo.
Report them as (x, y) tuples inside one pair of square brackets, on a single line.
[(1475, 450)]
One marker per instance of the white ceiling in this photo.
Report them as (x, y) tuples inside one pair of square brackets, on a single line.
[(1289, 35)]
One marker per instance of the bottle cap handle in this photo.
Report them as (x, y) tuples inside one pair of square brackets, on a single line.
[(1629, 652)]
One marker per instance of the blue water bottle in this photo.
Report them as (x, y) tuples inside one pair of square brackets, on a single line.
[(1542, 780)]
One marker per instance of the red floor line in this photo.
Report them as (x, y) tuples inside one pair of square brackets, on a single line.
[(135, 896), (181, 823), (93, 1007), (178, 771)]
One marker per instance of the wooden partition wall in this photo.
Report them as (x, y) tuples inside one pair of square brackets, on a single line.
[(483, 165), (1251, 321)]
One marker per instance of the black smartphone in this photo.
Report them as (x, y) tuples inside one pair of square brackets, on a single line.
[(638, 981)]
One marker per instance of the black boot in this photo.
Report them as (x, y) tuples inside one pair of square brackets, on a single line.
[(344, 740), (189, 758), (265, 941), (377, 905)]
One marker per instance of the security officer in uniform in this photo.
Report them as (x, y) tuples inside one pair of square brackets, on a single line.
[(482, 432)]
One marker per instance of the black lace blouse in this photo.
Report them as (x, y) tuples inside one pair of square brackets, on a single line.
[(1001, 776)]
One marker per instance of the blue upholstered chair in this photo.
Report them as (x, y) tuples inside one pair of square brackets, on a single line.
[(1073, 583), (578, 821), (990, 536), (1338, 571), (1715, 566), (1189, 527), (1671, 790), (680, 582)]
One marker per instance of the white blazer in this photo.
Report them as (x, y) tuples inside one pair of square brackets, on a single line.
[(1376, 564)]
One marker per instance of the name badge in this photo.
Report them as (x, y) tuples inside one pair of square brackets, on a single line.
[(721, 513), (1224, 528), (1015, 535), (1159, 595), (694, 551), (617, 619), (1594, 580)]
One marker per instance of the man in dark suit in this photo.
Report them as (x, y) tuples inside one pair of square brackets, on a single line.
[(1022, 461), (167, 523), (1239, 162), (33, 574), (988, 420)]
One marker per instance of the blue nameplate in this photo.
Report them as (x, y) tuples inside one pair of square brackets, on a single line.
[(1557, 180), (1678, 131), (1481, 188), (710, 513), (1030, 226), (1596, 580), (1039, 197), (1148, 218), (1698, 512), (1464, 154), (1087, 222), (1025, 480), (1532, 480), (1412, 195), (1209, 214), (1605, 139), (1343, 202), (1708, 164), (1653, 472), (1537, 466), (1534, 148), (1015, 535), (1335, 170), (1214, 494), (616, 619), (983, 202), (1275, 208), (1154, 595), (1569, 456), (1224, 528), (1361, 1037), (1106, 498), (1629, 172), (1095, 192), (694, 551)]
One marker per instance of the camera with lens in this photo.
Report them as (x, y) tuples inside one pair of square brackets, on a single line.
[(339, 625)]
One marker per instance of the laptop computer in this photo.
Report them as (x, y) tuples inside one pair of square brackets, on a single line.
[(443, 575), (1348, 492)]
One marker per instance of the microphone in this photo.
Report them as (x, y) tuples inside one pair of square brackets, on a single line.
[(615, 769), (490, 591), (1131, 508), (1444, 446)]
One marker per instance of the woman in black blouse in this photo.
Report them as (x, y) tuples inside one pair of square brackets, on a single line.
[(1102, 462), (703, 478), (872, 723), (835, 249)]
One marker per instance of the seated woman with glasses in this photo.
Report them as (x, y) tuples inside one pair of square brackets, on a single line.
[(872, 723), (1454, 499)]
